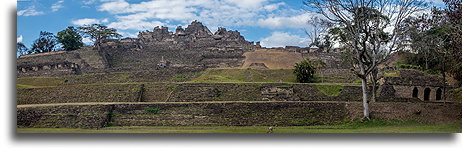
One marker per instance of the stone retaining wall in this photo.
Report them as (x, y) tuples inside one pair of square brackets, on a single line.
[(59, 63), (182, 92), (227, 114)]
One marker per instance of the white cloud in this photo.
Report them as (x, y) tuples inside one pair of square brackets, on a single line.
[(89, 21), (272, 7), (213, 13), (135, 25), (19, 39), (87, 40), (56, 6), (436, 2), (297, 21), (89, 2), (128, 34), (30, 12), (105, 20), (248, 3), (115, 6), (281, 39)]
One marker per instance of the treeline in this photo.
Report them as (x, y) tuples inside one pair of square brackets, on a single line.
[(369, 32), (68, 39), (435, 40), (431, 41)]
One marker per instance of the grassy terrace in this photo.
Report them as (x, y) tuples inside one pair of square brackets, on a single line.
[(374, 126), (94, 84), (202, 102), (119, 84), (207, 76)]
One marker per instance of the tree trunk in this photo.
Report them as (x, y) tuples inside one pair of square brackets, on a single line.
[(365, 102), (374, 89), (98, 42), (444, 79), (374, 85)]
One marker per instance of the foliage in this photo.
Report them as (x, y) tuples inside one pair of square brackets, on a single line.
[(456, 94), (435, 38), (364, 27), (21, 49), (317, 33), (152, 110), (431, 71), (99, 33), (304, 71), (45, 43), (453, 13), (407, 66), (393, 74), (70, 39)]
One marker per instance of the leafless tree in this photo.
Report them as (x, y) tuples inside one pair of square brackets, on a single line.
[(371, 28), (317, 27)]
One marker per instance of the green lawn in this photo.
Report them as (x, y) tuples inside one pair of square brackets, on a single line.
[(367, 127)]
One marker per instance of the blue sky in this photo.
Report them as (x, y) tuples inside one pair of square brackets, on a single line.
[(273, 22)]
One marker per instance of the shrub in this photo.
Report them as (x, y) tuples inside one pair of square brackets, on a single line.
[(392, 74), (305, 71), (431, 71), (407, 66), (152, 110)]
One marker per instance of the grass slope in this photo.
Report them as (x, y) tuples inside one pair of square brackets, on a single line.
[(330, 90), (246, 75)]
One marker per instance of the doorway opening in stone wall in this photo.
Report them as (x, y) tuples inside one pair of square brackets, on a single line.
[(427, 94), (439, 93), (415, 93)]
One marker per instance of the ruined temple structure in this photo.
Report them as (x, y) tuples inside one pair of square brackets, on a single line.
[(413, 85), (85, 60), (193, 47), (196, 48)]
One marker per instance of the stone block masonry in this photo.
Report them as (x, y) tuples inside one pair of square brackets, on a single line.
[(60, 63), (81, 115), (193, 47), (183, 92), (66, 116), (414, 85)]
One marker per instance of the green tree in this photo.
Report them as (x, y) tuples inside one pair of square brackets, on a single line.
[(319, 64), (21, 49), (45, 43), (364, 24), (317, 32), (453, 13), (435, 38), (98, 33), (305, 71), (70, 39)]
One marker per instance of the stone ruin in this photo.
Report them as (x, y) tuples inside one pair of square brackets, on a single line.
[(413, 85), (193, 47), (196, 47)]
